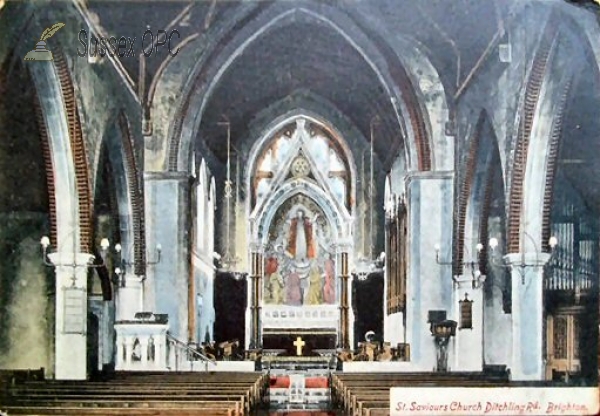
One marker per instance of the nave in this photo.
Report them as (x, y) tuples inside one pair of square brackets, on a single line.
[(231, 394)]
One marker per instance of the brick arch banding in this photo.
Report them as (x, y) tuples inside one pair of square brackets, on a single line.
[(79, 154), (528, 111), (135, 194), (464, 194), (551, 161)]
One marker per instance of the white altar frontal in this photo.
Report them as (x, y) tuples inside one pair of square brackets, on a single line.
[(304, 317)]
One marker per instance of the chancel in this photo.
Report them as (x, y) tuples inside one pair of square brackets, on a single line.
[(308, 199)]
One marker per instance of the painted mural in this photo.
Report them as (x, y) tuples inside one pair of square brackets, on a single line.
[(299, 260)]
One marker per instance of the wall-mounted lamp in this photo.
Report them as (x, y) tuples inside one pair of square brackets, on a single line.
[(45, 243), (478, 276), (523, 265), (122, 264), (71, 262)]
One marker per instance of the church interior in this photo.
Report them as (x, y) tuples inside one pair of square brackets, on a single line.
[(294, 202)]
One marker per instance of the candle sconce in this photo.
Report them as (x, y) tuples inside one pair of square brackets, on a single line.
[(478, 278), (524, 264), (122, 264)]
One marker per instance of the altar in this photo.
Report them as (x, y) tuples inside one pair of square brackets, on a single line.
[(314, 317), (316, 325), (308, 343)]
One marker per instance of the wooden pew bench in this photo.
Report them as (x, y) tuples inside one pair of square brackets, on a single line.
[(208, 409), (132, 406), (249, 398), (140, 395), (355, 392)]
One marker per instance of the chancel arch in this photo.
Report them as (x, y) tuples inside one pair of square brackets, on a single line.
[(398, 105)]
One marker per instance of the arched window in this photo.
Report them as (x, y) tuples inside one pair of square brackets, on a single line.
[(303, 149)]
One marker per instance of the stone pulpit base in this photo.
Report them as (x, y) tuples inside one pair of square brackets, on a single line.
[(142, 344)]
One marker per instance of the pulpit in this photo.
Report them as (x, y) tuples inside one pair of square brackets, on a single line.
[(442, 330)]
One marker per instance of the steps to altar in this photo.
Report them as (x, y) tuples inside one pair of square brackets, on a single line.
[(299, 383)]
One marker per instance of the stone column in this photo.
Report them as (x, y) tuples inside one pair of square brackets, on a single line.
[(344, 341), (429, 285), (71, 315), (128, 362), (120, 351), (256, 296), (144, 351), (468, 342), (527, 272), (165, 289), (160, 356)]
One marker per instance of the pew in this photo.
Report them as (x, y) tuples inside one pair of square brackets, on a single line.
[(139, 394), (368, 393)]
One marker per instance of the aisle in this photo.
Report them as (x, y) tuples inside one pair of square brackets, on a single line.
[(304, 413)]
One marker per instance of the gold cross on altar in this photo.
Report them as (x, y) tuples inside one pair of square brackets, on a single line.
[(299, 344)]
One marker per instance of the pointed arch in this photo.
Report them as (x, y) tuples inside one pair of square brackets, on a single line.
[(269, 135), (482, 183), (264, 217), (63, 191), (524, 166), (208, 72)]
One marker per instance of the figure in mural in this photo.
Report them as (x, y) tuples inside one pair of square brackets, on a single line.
[(293, 290), (301, 244), (329, 285), (315, 289), (273, 282)]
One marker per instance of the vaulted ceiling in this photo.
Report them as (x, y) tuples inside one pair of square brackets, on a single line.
[(313, 58), (310, 57)]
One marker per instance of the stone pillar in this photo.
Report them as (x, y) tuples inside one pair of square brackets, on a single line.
[(71, 315), (429, 285), (255, 302), (344, 341), (165, 289), (120, 350), (160, 357), (468, 342), (527, 271), (127, 362), (144, 349)]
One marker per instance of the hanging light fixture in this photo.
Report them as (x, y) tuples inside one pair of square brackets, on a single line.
[(228, 261), (367, 264)]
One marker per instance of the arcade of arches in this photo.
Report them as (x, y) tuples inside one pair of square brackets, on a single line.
[(298, 177)]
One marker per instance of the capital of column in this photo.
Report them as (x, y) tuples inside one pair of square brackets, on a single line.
[(257, 247), (420, 175), (469, 281), (65, 259), (343, 246), (526, 260), (166, 175)]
